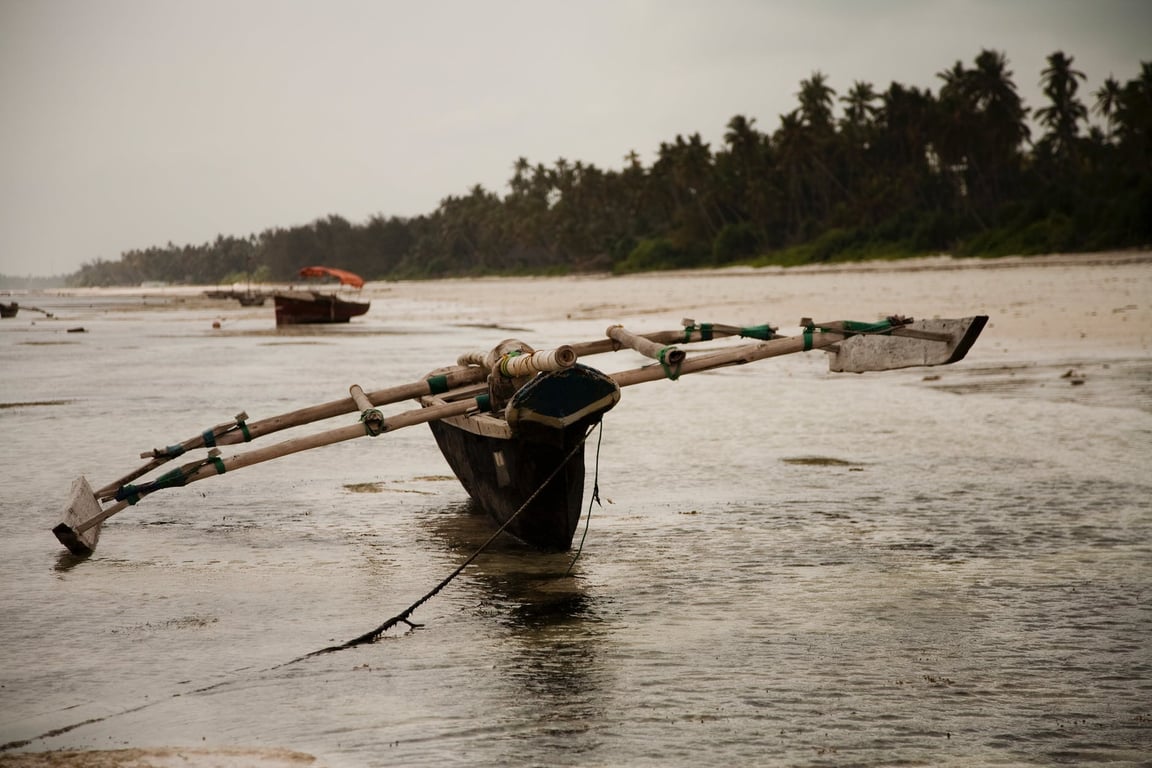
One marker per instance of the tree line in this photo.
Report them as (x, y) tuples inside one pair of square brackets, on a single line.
[(863, 174)]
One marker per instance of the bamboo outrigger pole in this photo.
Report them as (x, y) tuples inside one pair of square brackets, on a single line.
[(855, 347), (80, 529)]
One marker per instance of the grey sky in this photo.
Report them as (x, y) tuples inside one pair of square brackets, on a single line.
[(131, 123)]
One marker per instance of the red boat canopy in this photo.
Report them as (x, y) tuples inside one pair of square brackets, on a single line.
[(345, 277)]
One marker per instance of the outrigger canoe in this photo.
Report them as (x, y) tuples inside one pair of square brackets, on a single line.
[(512, 422)]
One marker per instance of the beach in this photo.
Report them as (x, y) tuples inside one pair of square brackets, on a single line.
[(942, 566)]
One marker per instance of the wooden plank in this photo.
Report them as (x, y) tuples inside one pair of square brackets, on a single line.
[(925, 342)]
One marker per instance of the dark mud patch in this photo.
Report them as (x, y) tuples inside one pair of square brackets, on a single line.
[(35, 404), (382, 487), (819, 461)]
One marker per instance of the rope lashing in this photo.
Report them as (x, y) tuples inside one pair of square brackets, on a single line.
[(504, 364), (705, 330), (671, 371), (373, 421), (209, 435), (171, 452), (852, 328), (175, 478), (763, 332), (437, 385)]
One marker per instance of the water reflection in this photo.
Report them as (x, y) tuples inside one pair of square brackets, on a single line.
[(551, 655), (66, 561)]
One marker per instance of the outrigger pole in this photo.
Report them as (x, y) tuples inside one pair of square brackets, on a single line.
[(854, 347)]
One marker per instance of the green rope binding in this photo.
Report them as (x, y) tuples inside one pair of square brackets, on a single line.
[(671, 371), (437, 385), (884, 326), (504, 363), (763, 332), (850, 327), (175, 478), (373, 421), (705, 330)]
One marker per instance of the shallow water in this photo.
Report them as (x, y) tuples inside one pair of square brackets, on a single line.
[(789, 567)]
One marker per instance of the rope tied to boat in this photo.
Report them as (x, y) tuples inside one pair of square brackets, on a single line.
[(672, 371), (852, 328), (438, 385), (705, 330), (209, 436), (764, 332), (175, 478), (373, 421), (504, 360), (404, 617), (595, 498)]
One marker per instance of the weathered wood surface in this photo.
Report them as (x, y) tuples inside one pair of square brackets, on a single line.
[(925, 342), (666, 354)]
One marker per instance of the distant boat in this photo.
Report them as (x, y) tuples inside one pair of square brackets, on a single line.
[(250, 299), (247, 298), (9, 310), (296, 307)]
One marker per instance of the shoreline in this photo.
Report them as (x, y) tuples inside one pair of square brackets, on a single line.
[(1081, 303), (937, 263)]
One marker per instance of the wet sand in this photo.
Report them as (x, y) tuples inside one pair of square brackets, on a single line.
[(1097, 305)]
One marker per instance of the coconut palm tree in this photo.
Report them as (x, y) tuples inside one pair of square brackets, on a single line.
[(1108, 102), (1063, 116)]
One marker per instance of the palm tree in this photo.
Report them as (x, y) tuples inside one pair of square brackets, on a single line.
[(859, 107), (1063, 117), (816, 100), (983, 127), (1108, 102)]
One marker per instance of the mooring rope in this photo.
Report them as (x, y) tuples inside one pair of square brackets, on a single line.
[(595, 498), (372, 635), (367, 637)]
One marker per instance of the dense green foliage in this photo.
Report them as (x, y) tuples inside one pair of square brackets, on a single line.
[(899, 172)]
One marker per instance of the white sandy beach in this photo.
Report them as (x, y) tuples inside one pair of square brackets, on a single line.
[(1100, 299)]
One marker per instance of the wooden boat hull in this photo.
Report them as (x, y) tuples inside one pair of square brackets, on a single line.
[(525, 467), (9, 310), (500, 475), (311, 307)]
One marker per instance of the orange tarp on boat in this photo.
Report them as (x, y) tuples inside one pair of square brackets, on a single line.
[(345, 277)]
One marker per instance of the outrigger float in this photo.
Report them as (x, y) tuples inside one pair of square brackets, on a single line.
[(512, 422)]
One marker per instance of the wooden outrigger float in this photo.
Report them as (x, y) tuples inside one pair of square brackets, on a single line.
[(512, 422)]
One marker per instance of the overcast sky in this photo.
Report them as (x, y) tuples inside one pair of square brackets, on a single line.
[(131, 123)]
